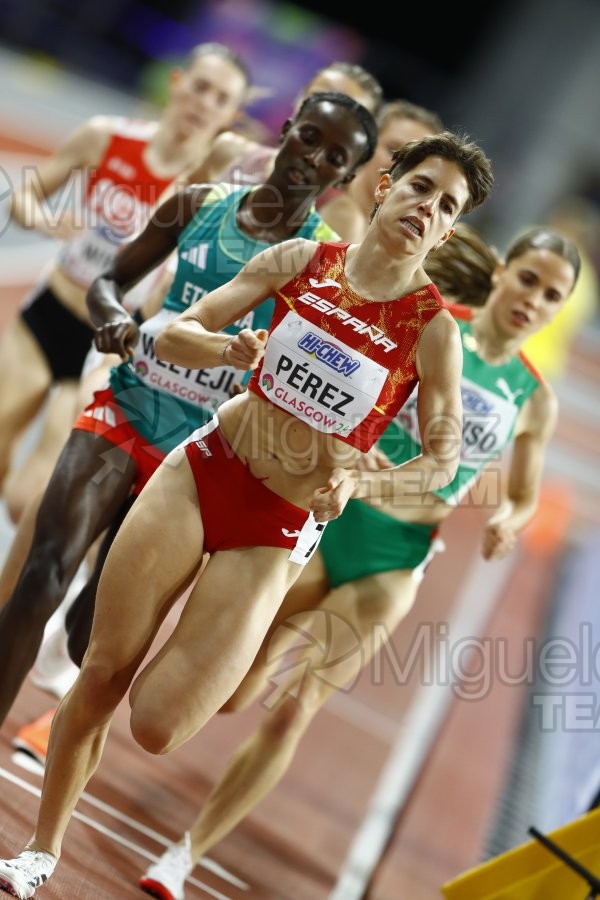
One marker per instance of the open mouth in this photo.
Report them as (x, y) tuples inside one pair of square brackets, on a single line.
[(415, 227), (518, 316), (297, 176)]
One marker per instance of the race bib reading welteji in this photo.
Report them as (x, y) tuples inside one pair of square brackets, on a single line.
[(206, 388)]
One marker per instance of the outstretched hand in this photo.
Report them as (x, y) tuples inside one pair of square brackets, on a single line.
[(246, 349), (499, 538), (119, 336), (329, 502)]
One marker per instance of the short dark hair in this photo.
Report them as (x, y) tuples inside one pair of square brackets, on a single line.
[(362, 114), (456, 148)]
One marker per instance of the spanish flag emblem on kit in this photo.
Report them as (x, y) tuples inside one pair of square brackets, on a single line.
[(561, 865)]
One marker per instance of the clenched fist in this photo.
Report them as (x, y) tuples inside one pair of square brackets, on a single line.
[(246, 349), (119, 336), (499, 538), (329, 502)]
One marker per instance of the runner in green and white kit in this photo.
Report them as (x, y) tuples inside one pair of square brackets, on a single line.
[(362, 543)]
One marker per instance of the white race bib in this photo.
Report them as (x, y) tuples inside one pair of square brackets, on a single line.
[(207, 388), (84, 258), (316, 378), (488, 421)]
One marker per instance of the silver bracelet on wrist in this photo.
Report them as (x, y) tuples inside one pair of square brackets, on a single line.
[(225, 348)]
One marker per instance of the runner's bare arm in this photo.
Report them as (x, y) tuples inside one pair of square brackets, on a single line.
[(535, 426), (439, 364), (439, 410), (228, 148), (194, 340), (116, 331), (82, 150)]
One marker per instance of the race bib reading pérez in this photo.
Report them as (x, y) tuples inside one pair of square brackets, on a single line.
[(312, 376)]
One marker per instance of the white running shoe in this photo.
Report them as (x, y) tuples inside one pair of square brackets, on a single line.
[(21, 876), (54, 671), (165, 878)]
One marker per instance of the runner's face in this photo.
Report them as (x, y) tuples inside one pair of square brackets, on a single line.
[(419, 209), (321, 147), (207, 96), (530, 291)]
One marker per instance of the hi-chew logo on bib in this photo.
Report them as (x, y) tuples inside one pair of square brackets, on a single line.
[(313, 377), (488, 421), (332, 355)]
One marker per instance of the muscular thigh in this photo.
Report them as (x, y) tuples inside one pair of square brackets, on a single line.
[(90, 481), (378, 600), (155, 554), (215, 639), (59, 415), (61, 412), (300, 601), (345, 630), (291, 618)]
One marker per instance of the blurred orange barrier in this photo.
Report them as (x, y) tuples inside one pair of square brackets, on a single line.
[(547, 532)]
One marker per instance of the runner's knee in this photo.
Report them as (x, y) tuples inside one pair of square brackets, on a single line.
[(103, 684)]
